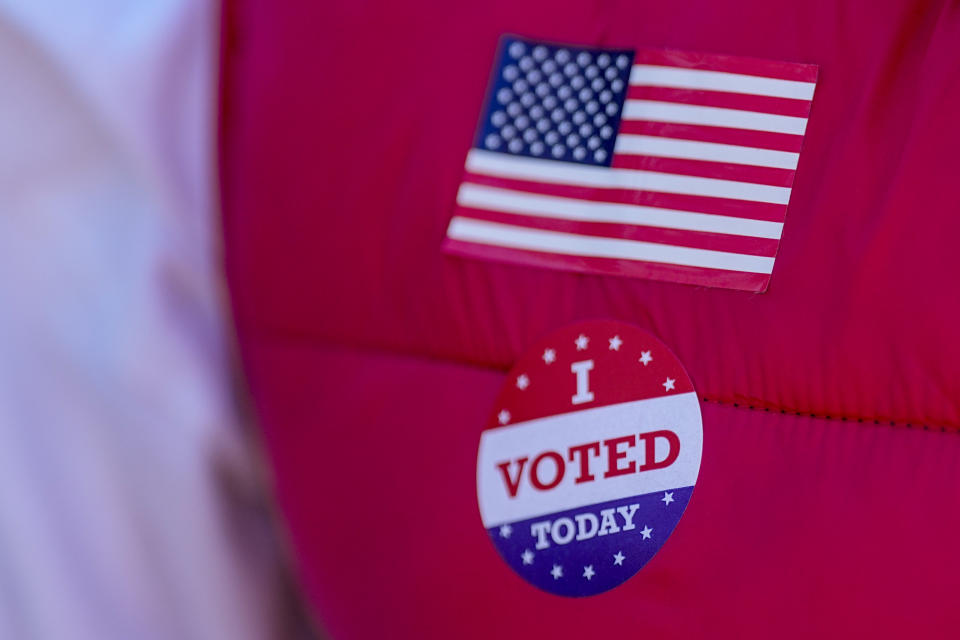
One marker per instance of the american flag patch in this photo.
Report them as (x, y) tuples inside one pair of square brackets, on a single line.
[(652, 164)]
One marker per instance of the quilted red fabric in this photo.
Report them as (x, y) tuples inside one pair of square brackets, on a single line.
[(828, 496)]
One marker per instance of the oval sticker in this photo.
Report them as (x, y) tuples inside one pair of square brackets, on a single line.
[(589, 457)]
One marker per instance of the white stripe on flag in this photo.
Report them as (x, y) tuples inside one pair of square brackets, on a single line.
[(532, 204), (710, 151), (554, 172), (510, 236), (655, 111), (680, 78)]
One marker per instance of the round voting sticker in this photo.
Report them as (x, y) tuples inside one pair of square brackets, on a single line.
[(589, 457)]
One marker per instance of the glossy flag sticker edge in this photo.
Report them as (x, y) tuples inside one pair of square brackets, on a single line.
[(589, 457), (654, 164)]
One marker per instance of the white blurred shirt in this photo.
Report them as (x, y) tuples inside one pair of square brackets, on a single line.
[(116, 422)]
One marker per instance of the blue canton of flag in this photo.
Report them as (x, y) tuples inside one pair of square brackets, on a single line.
[(558, 102)]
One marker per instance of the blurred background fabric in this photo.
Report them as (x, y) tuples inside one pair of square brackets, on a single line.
[(131, 504)]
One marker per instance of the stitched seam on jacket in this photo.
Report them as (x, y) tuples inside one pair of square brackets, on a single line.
[(289, 339), (822, 416)]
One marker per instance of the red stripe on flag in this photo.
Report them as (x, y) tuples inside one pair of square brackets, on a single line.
[(723, 135), (695, 239), (731, 64), (706, 169), (742, 101), (756, 282), (698, 204)]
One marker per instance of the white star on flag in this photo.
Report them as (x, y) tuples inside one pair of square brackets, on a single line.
[(503, 416), (582, 341), (618, 558), (549, 355), (667, 497), (645, 357), (527, 556), (645, 532), (557, 571), (668, 385), (615, 343), (505, 531), (523, 381), (588, 571)]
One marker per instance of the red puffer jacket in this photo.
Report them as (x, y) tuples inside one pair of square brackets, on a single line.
[(828, 498)]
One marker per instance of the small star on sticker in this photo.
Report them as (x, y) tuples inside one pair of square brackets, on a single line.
[(618, 558), (582, 341), (588, 571), (523, 381), (668, 384), (549, 355), (645, 357), (527, 556), (645, 532), (505, 531), (557, 571), (504, 416), (615, 343), (667, 497)]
